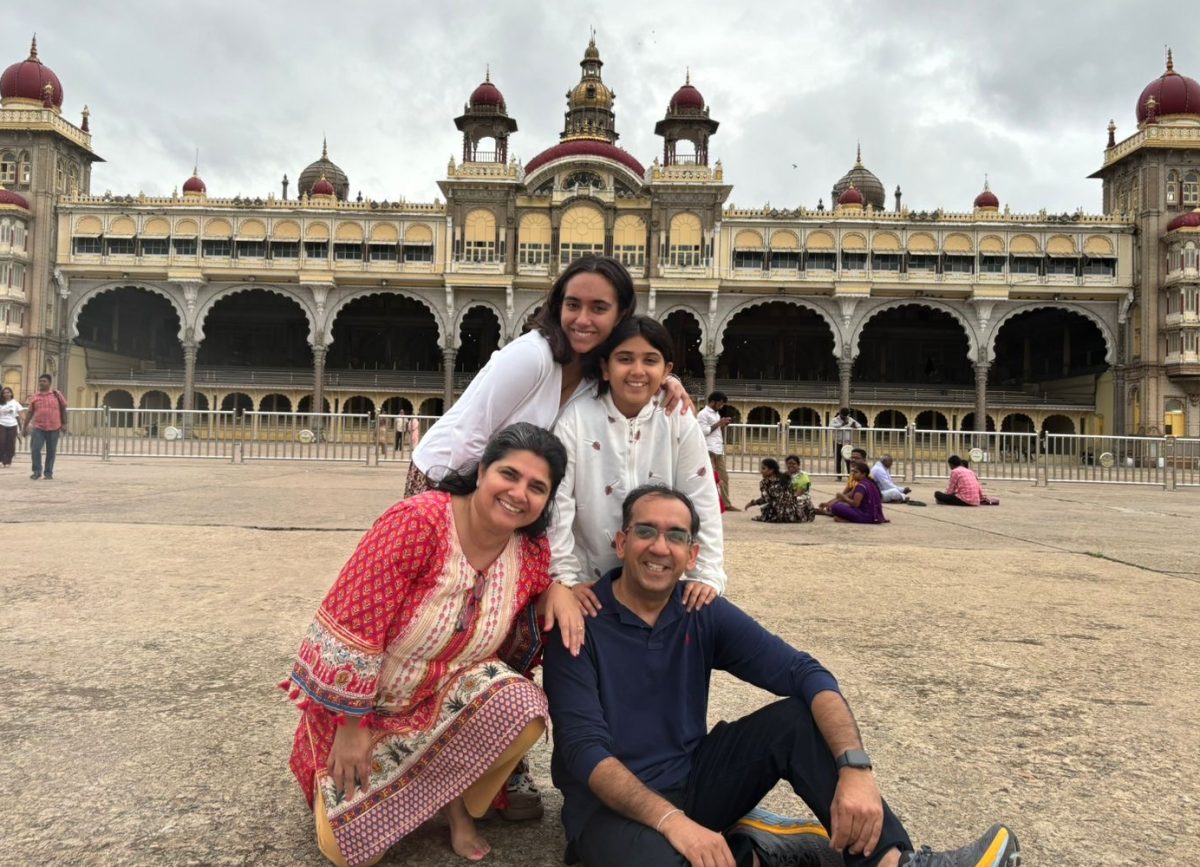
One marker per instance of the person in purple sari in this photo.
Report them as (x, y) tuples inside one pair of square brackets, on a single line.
[(864, 503)]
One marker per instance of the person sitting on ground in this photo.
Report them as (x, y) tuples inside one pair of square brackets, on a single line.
[(408, 704), (963, 488), (888, 489), (645, 783), (801, 486), (863, 505), (778, 502), (617, 438), (856, 454)]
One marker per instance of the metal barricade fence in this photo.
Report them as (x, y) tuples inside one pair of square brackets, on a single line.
[(747, 444), (992, 456), (403, 434), (307, 436), (1109, 459), (85, 434), (1187, 462), (172, 433)]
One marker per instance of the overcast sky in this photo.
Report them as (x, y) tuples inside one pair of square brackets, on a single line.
[(938, 92)]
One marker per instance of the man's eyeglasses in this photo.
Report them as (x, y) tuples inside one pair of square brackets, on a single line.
[(649, 532)]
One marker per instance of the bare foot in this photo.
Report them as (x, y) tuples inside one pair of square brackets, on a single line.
[(465, 839)]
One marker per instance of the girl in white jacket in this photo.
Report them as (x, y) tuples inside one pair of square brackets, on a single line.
[(616, 440)]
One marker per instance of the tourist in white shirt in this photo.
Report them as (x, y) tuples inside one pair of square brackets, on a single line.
[(843, 425), (712, 425), (533, 377), (10, 425), (891, 492), (620, 439)]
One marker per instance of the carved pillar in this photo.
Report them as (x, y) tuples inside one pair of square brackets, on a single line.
[(448, 356), (190, 348), (1119, 398), (710, 374), (845, 366), (318, 392), (981, 378)]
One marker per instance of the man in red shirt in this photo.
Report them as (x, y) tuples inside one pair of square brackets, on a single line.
[(45, 419)]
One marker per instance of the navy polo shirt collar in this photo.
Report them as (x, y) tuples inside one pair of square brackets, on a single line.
[(612, 607)]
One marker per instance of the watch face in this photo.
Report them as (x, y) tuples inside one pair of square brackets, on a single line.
[(855, 759)]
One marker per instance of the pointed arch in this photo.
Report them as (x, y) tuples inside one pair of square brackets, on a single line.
[(78, 303), (204, 309), (1110, 344), (719, 337), (336, 308), (465, 306), (701, 320), (932, 304)]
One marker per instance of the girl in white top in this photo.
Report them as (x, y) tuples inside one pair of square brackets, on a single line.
[(617, 440), (535, 376), (10, 419)]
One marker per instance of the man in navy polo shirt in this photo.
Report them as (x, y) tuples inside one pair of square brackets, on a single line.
[(643, 780)]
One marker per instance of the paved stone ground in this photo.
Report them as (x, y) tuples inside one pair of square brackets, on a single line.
[(1034, 663)]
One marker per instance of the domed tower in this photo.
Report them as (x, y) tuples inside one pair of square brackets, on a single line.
[(194, 187), (1169, 97), (31, 84), (686, 120), (485, 116), (327, 169), (851, 201), (986, 202), (863, 180), (590, 103)]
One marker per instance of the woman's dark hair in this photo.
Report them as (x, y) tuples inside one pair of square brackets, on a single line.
[(548, 321), (11, 394), (771, 464), (955, 461), (652, 330), (795, 458), (519, 437), (862, 468)]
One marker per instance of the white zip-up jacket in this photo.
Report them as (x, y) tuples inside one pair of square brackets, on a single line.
[(608, 456)]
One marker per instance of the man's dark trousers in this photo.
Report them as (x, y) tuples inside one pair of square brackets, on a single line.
[(732, 770)]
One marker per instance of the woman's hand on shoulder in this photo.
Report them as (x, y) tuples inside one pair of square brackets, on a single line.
[(563, 608), (697, 594), (676, 396), (588, 600)]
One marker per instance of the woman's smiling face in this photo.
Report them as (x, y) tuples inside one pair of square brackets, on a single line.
[(589, 311)]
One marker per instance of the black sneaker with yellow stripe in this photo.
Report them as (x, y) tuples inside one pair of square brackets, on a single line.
[(785, 842)]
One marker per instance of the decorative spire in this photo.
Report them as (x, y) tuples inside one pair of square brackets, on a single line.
[(858, 156), (986, 188), (196, 165), (33, 50), (487, 72), (1170, 63), (86, 114), (324, 150), (1112, 133), (687, 78)]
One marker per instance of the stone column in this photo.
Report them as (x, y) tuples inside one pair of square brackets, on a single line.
[(448, 356), (1119, 398), (189, 383), (845, 367), (710, 375), (318, 392), (981, 378)]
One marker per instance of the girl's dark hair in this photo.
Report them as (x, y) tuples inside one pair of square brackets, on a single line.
[(771, 464), (519, 437), (652, 330), (548, 320)]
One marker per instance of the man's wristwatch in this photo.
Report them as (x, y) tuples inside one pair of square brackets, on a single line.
[(854, 759)]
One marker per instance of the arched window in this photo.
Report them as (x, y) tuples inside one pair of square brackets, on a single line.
[(479, 237), (8, 168), (533, 246), (581, 233), (629, 241), (1191, 189), (26, 170), (1172, 187), (685, 245)]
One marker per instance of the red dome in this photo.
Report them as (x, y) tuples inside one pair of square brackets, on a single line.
[(323, 188), (194, 185), (687, 97), (586, 148), (28, 80), (487, 94), (1190, 220), (8, 197), (987, 199), (851, 197), (1173, 94)]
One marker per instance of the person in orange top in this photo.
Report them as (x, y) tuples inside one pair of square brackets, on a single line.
[(45, 420)]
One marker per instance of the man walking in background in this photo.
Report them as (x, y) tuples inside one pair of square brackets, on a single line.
[(712, 425), (45, 419), (843, 425)]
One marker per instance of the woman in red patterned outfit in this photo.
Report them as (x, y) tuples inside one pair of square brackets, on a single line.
[(410, 676)]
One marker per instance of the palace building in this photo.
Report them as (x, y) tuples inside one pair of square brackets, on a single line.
[(310, 298)]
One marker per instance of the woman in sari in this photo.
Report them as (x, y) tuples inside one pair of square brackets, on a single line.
[(778, 502), (864, 503), (411, 676)]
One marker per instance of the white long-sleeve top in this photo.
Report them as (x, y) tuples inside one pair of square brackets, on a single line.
[(521, 382), (608, 456)]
